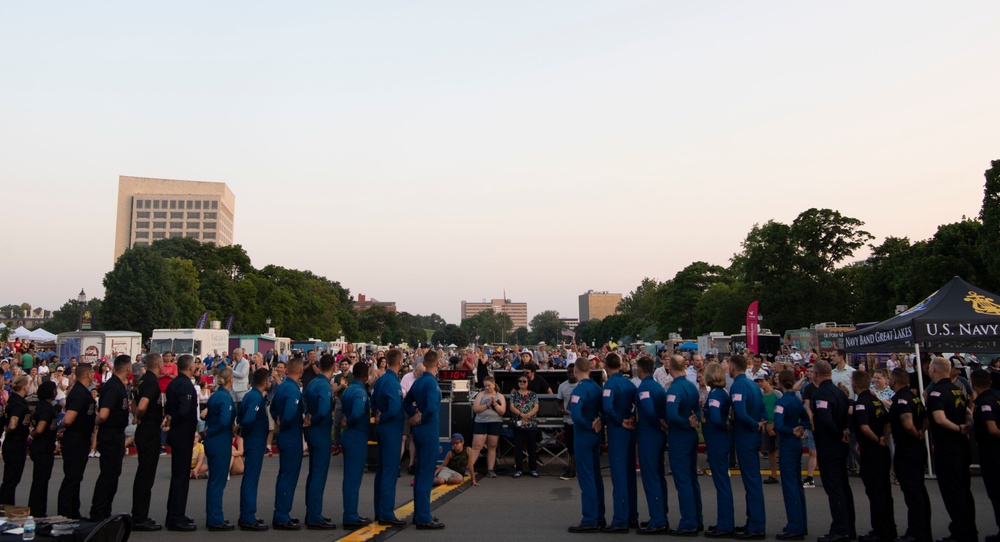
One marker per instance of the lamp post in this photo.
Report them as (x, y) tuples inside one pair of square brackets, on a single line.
[(267, 323), (82, 300)]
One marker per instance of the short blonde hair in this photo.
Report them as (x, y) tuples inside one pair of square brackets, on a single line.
[(715, 377)]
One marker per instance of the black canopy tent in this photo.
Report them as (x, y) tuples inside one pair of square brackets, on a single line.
[(959, 317)]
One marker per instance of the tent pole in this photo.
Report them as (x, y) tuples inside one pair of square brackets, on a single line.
[(918, 366)]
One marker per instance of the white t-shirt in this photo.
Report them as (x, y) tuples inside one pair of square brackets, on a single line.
[(570, 357), (662, 377), (64, 381)]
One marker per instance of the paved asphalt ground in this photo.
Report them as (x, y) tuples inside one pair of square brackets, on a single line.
[(525, 508)]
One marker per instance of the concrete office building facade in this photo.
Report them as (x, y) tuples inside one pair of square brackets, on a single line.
[(152, 209), (598, 305), (518, 312)]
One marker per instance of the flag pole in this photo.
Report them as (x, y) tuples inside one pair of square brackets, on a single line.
[(920, 383)]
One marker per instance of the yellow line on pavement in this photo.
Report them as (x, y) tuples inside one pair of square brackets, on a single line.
[(369, 532)]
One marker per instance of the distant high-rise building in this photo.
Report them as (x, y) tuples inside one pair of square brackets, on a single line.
[(518, 312), (152, 209), (598, 305), (364, 303)]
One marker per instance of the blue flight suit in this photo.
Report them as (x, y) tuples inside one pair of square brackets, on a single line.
[(585, 407), (715, 428), (682, 450), (652, 407), (425, 396), (748, 411), (619, 405), (254, 430), (387, 396), (287, 409), (318, 399), (357, 411), (218, 451), (789, 413)]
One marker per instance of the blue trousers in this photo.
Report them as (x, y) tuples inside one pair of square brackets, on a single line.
[(425, 440), (219, 453), (320, 442), (289, 465), (747, 452), (253, 459), (790, 465), (355, 443), (390, 438), (621, 459), (587, 446), (717, 446), (654, 481), (683, 454)]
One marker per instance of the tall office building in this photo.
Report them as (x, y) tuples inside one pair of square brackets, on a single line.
[(598, 305), (152, 209), (518, 312)]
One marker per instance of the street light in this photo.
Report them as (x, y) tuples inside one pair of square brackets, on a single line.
[(267, 323), (82, 300)]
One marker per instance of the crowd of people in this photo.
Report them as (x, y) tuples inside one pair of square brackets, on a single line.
[(220, 416)]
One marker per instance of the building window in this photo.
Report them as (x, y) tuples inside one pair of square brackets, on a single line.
[(211, 216), (138, 204), (156, 204), (173, 204), (176, 234), (190, 204), (142, 214), (140, 244), (194, 215), (191, 235), (159, 235), (197, 205), (215, 205), (142, 225), (176, 225), (209, 235), (206, 205), (159, 225), (210, 225), (142, 235), (176, 216), (194, 225), (160, 214)]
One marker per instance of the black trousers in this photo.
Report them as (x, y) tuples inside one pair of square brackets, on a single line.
[(181, 441), (989, 465), (74, 454), (13, 468), (876, 461), (525, 438), (909, 462), (147, 446), (952, 464), (111, 445), (41, 473), (831, 456)]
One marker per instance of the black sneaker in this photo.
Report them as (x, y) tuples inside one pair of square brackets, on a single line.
[(568, 475), (771, 480)]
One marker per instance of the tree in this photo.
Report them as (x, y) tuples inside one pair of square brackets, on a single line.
[(138, 293), (375, 323), (12, 311), (67, 317), (989, 215), (518, 336), (450, 334), (545, 327), (487, 326), (679, 297), (183, 278)]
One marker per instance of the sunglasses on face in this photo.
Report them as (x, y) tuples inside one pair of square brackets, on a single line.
[(522, 381)]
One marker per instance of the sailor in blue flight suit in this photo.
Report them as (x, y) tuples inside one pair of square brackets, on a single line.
[(651, 434), (387, 396), (715, 428), (422, 404), (749, 417), (252, 418), (585, 409), (791, 422), (219, 448), (287, 410), (682, 446), (318, 429), (354, 437), (619, 412)]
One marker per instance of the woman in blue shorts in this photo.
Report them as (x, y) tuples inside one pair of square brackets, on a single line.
[(488, 407)]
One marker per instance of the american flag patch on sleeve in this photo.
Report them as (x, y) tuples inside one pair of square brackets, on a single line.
[(607, 393), (737, 397), (822, 404), (643, 395), (671, 398), (576, 398), (859, 407), (779, 409), (714, 403)]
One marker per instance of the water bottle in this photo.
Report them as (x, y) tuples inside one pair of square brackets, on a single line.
[(29, 529)]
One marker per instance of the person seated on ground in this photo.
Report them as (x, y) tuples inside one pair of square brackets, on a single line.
[(456, 463), (199, 463), (236, 464)]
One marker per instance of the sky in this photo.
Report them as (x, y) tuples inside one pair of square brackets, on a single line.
[(430, 152)]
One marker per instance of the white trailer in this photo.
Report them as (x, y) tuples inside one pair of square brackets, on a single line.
[(90, 346), (197, 342)]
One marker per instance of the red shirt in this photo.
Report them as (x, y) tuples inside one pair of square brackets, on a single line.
[(169, 369)]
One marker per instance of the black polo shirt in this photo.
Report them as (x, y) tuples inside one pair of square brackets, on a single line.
[(904, 402), (950, 399), (114, 397), (182, 403), (869, 410), (80, 401), (44, 444), (830, 412), (987, 407), (17, 439), (149, 388), (538, 385)]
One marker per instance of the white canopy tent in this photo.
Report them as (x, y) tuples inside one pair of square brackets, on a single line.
[(20, 333), (41, 336)]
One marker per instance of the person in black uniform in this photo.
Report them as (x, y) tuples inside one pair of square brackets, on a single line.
[(16, 420), (908, 420), (871, 425), (182, 422), (112, 418), (148, 417), (984, 421), (43, 449), (77, 428), (831, 423), (950, 426)]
